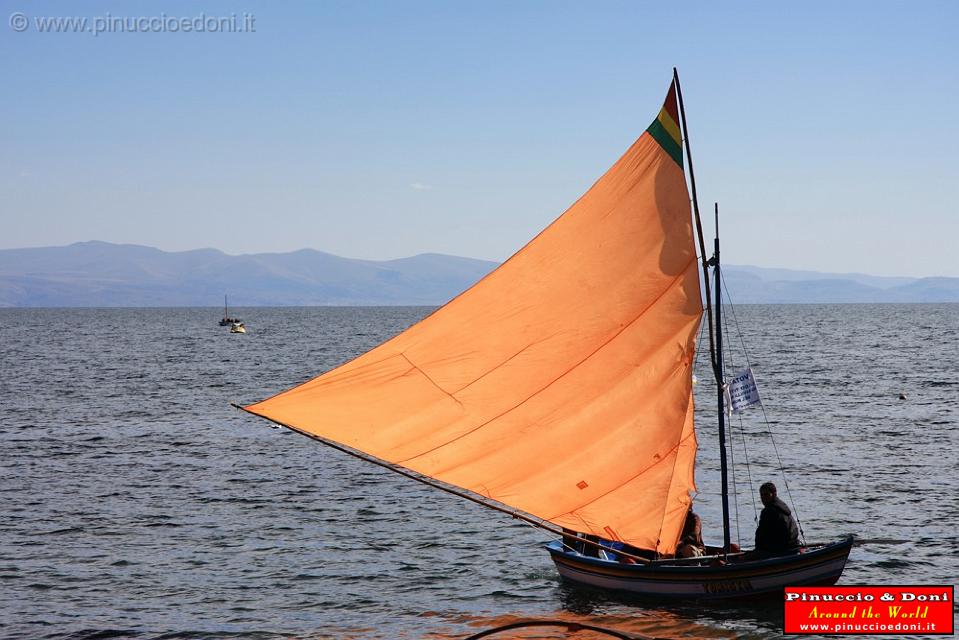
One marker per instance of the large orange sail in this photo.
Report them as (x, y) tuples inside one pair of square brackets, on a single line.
[(561, 383)]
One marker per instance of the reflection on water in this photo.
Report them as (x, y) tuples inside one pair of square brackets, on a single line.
[(137, 503), (562, 623)]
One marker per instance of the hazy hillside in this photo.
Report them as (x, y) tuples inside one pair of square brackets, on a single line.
[(100, 274), (759, 285)]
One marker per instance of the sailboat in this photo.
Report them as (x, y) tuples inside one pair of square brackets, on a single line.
[(227, 321), (559, 388)]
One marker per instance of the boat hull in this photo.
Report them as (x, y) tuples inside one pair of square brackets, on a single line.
[(820, 566)]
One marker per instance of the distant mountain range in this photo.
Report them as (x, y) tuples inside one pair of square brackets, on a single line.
[(100, 274), (750, 285)]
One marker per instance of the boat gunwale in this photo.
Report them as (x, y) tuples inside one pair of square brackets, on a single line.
[(811, 557)]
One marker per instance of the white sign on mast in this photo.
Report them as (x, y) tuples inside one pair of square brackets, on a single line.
[(742, 391)]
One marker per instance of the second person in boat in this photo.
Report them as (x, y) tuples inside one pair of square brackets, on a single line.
[(691, 539), (777, 533)]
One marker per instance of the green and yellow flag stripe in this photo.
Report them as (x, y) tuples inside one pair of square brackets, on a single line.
[(665, 129)]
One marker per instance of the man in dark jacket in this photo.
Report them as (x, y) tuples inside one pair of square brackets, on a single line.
[(777, 533)]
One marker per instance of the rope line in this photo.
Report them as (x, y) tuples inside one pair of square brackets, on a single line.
[(732, 439), (769, 431), (742, 430), (749, 475)]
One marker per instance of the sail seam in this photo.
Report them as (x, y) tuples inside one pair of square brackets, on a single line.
[(467, 386), (675, 447), (433, 382), (668, 288)]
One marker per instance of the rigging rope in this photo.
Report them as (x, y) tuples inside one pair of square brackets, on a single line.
[(699, 341), (769, 431), (749, 475), (742, 430), (732, 461), (732, 439), (782, 472)]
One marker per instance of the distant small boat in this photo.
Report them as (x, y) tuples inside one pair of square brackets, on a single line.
[(237, 327), (227, 321)]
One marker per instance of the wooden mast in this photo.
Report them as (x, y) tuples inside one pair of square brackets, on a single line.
[(720, 389)]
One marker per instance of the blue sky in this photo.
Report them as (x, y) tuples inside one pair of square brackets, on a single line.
[(826, 131)]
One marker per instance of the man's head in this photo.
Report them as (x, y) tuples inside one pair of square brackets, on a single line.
[(767, 493)]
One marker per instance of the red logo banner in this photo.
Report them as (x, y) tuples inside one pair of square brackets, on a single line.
[(893, 610)]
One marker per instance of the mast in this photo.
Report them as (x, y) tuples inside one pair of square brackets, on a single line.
[(699, 227), (719, 387)]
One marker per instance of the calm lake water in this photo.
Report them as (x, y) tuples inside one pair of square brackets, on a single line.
[(137, 503)]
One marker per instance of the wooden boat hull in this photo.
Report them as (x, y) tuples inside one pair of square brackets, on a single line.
[(819, 566)]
